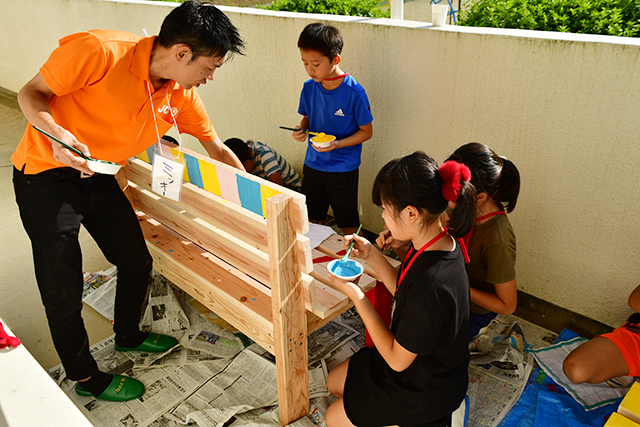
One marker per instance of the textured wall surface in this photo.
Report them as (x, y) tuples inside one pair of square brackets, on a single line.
[(564, 108)]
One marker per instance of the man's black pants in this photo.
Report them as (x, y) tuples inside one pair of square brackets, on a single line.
[(52, 205)]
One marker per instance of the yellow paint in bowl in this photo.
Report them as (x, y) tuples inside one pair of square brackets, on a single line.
[(323, 140)]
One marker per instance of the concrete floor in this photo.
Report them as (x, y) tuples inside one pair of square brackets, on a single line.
[(20, 305)]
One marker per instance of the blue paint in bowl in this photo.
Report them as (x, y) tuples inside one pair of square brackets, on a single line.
[(346, 270)]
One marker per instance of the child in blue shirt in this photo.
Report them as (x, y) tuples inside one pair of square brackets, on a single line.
[(334, 103)]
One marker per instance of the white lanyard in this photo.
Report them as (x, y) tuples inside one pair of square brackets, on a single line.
[(153, 109), (155, 121), (167, 170)]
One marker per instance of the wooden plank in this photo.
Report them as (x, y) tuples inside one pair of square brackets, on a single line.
[(299, 207), (243, 257), (209, 207), (304, 253), (220, 213), (289, 315), (223, 289), (330, 300), (249, 260)]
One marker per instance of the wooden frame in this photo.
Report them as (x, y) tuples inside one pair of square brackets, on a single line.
[(254, 271)]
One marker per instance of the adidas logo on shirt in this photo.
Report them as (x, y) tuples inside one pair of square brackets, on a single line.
[(339, 113)]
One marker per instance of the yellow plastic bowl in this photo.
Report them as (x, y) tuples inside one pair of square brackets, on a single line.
[(323, 140), (103, 166)]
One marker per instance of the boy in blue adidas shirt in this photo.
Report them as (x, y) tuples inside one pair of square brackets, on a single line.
[(332, 102)]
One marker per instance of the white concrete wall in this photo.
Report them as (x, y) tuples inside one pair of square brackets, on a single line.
[(563, 108)]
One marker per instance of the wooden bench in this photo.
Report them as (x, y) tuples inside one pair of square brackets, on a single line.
[(236, 243)]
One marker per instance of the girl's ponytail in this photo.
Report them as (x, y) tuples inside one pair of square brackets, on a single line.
[(491, 174), (508, 185), (460, 194)]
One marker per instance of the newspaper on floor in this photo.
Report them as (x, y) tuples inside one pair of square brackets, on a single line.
[(317, 374), (222, 348), (590, 396), (164, 388), (498, 371), (248, 382), (208, 337), (99, 291), (327, 339), (318, 381), (163, 313), (178, 356), (269, 417), (165, 422), (201, 342), (265, 417), (210, 377), (318, 410), (206, 395), (352, 319), (341, 354)]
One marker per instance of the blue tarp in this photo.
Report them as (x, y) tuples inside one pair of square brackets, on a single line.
[(545, 403)]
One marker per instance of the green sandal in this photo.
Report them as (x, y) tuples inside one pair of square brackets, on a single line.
[(155, 343), (120, 389)]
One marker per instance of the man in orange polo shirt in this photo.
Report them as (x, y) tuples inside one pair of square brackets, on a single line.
[(111, 95)]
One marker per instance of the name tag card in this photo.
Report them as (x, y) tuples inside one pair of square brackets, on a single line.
[(166, 177)]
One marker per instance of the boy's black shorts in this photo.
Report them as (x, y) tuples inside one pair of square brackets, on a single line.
[(338, 189)]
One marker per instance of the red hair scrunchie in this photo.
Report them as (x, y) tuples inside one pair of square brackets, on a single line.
[(451, 173)]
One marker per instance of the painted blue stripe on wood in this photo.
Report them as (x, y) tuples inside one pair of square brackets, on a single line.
[(150, 152), (193, 167), (249, 192)]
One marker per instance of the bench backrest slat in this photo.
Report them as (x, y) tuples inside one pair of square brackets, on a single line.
[(238, 187), (220, 222)]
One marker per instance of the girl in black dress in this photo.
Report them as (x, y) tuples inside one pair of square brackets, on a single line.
[(416, 375)]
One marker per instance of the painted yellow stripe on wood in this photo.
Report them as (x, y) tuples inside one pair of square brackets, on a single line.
[(209, 178), (144, 156), (265, 193)]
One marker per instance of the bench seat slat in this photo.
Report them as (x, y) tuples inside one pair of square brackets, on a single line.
[(329, 301)]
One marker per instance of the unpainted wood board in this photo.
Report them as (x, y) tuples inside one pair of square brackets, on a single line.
[(330, 301), (123, 182), (232, 219), (250, 261), (289, 314), (223, 289)]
